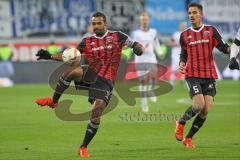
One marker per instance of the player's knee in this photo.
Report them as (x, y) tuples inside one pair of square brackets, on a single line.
[(209, 102), (66, 74), (75, 73), (198, 106), (205, 110), (71, 74)]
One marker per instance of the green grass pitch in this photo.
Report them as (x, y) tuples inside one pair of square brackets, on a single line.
[(28, 132)]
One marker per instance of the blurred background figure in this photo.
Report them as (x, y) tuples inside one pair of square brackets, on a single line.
[(227, 72), (176, 50), (6, 67), (146, 65)]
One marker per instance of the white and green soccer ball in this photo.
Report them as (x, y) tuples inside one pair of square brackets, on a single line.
[(71, 55)]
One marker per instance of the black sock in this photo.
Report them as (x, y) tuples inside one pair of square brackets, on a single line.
[(197, 124), (62, 85), (90, 133), (187, 115)]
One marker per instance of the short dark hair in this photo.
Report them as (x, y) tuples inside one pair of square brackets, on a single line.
[(100, 14), (199, 6)]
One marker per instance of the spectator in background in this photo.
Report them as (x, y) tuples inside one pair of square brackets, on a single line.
[(176, 50), (235, 47), (6, 67), (233, 64), (53, 48), (146, 65)]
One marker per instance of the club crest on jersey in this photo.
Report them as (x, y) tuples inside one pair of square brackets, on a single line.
[(206, 33), (189, 37), (109, 39)]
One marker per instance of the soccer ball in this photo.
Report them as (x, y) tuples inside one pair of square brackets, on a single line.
[(71, 55)]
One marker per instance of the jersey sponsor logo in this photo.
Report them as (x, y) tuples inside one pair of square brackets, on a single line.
[(102, 47), (199, 41)]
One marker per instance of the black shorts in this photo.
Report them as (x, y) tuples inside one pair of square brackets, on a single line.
[(98, 87), (205, 86)]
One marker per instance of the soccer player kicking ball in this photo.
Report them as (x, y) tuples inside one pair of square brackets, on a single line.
[(233, 64), (102, 52), (196, 62)]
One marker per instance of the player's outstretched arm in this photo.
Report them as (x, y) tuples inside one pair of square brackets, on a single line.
[(44, 54), (57, 57)]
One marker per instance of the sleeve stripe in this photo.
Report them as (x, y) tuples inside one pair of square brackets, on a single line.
[(219, 35), (218, 32), (123, 33)]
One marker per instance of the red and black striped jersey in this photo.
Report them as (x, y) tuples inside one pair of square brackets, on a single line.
[(103, 54), (197, 51)]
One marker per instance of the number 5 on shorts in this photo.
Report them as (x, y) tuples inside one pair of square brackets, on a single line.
[(195, 89)]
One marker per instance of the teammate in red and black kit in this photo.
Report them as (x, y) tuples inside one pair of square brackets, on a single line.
[(196, 62), (102, 52)]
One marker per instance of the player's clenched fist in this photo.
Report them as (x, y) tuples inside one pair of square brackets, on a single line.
[(182, 67)]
